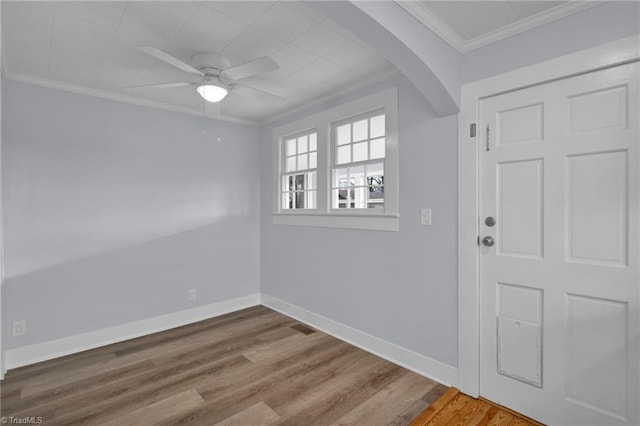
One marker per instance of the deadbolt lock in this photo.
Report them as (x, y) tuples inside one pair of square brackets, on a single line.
[(489, 221)]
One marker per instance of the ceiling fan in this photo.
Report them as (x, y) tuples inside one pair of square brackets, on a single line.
[(217, 79)]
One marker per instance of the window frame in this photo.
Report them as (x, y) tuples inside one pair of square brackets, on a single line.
[(385, 219)]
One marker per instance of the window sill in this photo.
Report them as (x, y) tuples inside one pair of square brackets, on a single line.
[(332, 220)]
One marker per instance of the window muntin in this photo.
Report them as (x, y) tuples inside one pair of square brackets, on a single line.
[(299, 186), (358, 162)]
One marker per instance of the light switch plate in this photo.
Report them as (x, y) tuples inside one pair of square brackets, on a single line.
[(425, 217)]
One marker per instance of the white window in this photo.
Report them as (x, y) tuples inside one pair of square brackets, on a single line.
[(338, 168), (358, 162), (299, 178)]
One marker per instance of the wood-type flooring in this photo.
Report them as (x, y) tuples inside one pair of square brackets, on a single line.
[(250, 367), (456, 409)]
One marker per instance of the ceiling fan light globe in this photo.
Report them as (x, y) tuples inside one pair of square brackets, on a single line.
[(212, 92)]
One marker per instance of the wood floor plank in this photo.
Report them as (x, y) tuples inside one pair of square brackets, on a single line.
[(273, 350), (434, 408), (383, 407), (483, 415), (259, 414), (450, 410), (420, 405), (171, 407), (329, 406), (502, 418), (229, 395)]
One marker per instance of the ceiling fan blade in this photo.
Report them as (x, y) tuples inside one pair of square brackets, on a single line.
[(260, 95), (163, 85), (165, 57), (257, 66)]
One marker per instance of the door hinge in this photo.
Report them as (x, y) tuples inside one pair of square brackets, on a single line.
[(488, 137), (472, 130)]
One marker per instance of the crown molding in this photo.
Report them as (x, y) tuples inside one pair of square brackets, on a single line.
[(117, 97), (444, 31), (306, 106)]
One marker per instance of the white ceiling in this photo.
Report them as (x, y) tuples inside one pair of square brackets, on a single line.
[(468, 25), (93, 45)]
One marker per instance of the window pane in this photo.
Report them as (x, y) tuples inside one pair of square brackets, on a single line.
[(360, 151), (375, 169), (377, 148), (291, 180), (312, 142), (344, 154), (343, 134), (299, 200), (303, 145), (285, 201), (340, 175), (313, 160), (377, 126), (291, 147), (311, 180), (376, 189), (299, 182), (360, 131), (360, 197), (356, 174), (311, 200), (291, 164), (303, 161)]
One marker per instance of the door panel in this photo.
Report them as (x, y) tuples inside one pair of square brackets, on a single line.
[(559, 320)]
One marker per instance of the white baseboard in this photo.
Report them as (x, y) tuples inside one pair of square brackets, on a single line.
[(81, 342), (406, 358)]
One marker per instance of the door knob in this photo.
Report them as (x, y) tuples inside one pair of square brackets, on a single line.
[(488, 241)]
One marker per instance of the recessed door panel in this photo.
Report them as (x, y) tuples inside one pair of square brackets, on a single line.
[(597, 207), (518, 125), (520, 219), (598, 110), (597, 353)]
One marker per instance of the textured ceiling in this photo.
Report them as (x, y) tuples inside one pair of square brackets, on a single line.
[(94, 45)]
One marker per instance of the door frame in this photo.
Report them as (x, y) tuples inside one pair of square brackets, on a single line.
[(604, 56)]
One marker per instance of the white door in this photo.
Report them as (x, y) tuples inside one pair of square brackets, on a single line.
[(560, 288)]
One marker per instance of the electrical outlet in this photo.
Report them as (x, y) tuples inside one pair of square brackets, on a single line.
[(192, 294), (19, 328)]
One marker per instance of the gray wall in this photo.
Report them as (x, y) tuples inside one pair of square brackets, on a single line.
[(113, 211), (398, 286)]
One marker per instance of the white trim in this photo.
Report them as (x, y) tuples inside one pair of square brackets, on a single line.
[(369, 222), (429, 19), (321, 122), (403, 357), (119, 97), (38, 352), (607, 55)]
